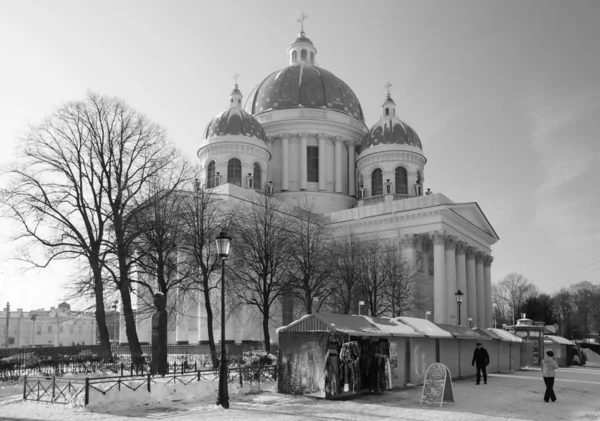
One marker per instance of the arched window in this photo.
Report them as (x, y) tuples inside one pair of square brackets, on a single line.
[(303, 55), (401, 181), (210, 175), (312, 57), (294, 56), (257, 177), (377, 182), (387, 111), (234, 172)]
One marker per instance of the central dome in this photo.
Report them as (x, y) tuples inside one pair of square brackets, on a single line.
[(303, 85)]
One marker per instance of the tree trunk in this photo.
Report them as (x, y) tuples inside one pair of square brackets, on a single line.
[(132, 337), (209, 326), (100, 313), (266, 328)]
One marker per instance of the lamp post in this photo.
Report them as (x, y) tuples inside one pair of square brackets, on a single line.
[(459, 298), (116, 321), (33, 317), (223, 242)]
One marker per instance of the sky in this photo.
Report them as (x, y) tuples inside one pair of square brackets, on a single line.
[(505, 97)]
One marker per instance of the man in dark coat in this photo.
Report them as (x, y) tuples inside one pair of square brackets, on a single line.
[(482, 359)]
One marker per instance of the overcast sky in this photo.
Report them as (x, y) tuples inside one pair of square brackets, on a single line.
[(505, 96)]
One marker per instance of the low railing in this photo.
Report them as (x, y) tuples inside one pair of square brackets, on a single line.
[(57, 390), (374, 200)]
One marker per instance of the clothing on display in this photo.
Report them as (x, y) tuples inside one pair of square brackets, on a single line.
[(331, 371), (350, 364)]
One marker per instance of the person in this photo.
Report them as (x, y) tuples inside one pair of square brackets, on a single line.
[(482, 359), (548, 367)]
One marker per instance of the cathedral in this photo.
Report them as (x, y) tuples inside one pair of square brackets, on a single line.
[(301, 134)]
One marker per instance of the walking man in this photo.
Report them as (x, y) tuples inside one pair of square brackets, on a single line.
[(482, 359), (548, 367)]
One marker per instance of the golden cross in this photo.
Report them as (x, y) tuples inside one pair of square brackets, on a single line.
[(388, 86), (235, 77), (301, 20)]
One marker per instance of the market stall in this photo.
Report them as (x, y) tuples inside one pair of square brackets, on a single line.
[(562, 348), (508, 345), (458, 352)]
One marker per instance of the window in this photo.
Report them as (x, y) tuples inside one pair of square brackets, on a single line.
[(312, 57), (303, 55), (234, 172), (39, 330), (257, 177), (210, 175), (377, 182), (401, 181), (49, 328), (387, 111), (312, 163), (294, 56)]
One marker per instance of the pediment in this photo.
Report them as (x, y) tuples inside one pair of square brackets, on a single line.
[(472, 213)]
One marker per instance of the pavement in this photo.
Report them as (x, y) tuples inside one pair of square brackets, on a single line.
[(513, 396)]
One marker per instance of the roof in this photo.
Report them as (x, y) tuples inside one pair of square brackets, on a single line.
[(506, 336), (391, 130), (425, 327), (462, 332), (487, 333), (558, 340), (350, 324)]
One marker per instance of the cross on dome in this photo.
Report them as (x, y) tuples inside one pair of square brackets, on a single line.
[(302, 18), (388, 86), (235, 78)]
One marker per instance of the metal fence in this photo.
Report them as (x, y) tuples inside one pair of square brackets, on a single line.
[(57, 361)]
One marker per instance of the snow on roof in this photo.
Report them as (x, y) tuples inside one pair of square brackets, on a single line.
[(559, 340), (279, 329), (393, 327), (505, 336), (424, 326), (487, 333), (463, 332)]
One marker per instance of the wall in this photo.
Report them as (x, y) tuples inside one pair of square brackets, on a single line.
[(449, 355), (515, 356), (504, 356), (422, 355), (467, 346), (398, 347), (301, 362), (492, 349)]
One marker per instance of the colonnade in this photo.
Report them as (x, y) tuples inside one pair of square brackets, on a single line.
[(321, 140), (457, 265)]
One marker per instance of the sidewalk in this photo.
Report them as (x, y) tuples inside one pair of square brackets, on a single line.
[(512, 396)]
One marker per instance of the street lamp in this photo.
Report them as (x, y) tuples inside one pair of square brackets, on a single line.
[(33, 317), (116, 322), (360, 304), (223, 242), (459, 298)]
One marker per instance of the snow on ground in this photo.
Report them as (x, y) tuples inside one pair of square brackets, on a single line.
[(506, 397), (593, 359)]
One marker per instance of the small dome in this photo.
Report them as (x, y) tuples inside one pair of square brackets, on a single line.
[(391, 131), (302, 39), (235, 121), (303, 85)]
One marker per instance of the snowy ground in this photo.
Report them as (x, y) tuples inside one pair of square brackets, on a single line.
[(511, 396)]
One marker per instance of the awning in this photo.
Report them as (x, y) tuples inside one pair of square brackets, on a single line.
[(505, 336), (462, 332), (558, 340), (487, 334), (424, 326)]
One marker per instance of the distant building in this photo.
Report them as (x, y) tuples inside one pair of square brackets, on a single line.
[(55, 327)]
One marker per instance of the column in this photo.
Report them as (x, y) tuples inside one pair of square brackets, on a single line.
[(285, 162), (471, 286), (426, 247), (480, 290), (409, 251), (452, 307), (181, 322), (461, 279), (338, 165), (439, 277), (487, 277), (202, 320), (303, 161), (270, 163), (322, 142), (351, 169)]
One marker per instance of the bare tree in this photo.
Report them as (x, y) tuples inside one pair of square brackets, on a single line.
[(374, 278), (346, 267), (309, 271), (58, 199), (564, 309), (203, 219), (403, 291), (502, 311), (515, 289), (261, 256)]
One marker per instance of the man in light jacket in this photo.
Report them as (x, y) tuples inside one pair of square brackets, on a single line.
[(548, 367)]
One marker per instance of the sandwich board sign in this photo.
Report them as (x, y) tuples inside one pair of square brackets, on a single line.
[(437, 387)]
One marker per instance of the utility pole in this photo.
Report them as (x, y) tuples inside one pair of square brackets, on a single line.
[(7, 322)]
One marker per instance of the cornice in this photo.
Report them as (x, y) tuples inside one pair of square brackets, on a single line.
[(390, 156)]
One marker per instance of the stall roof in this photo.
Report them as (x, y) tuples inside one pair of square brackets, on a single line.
[(487, 333), (349, 324), (424, 326), (559, 340), (462, 332), (505, 336)]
